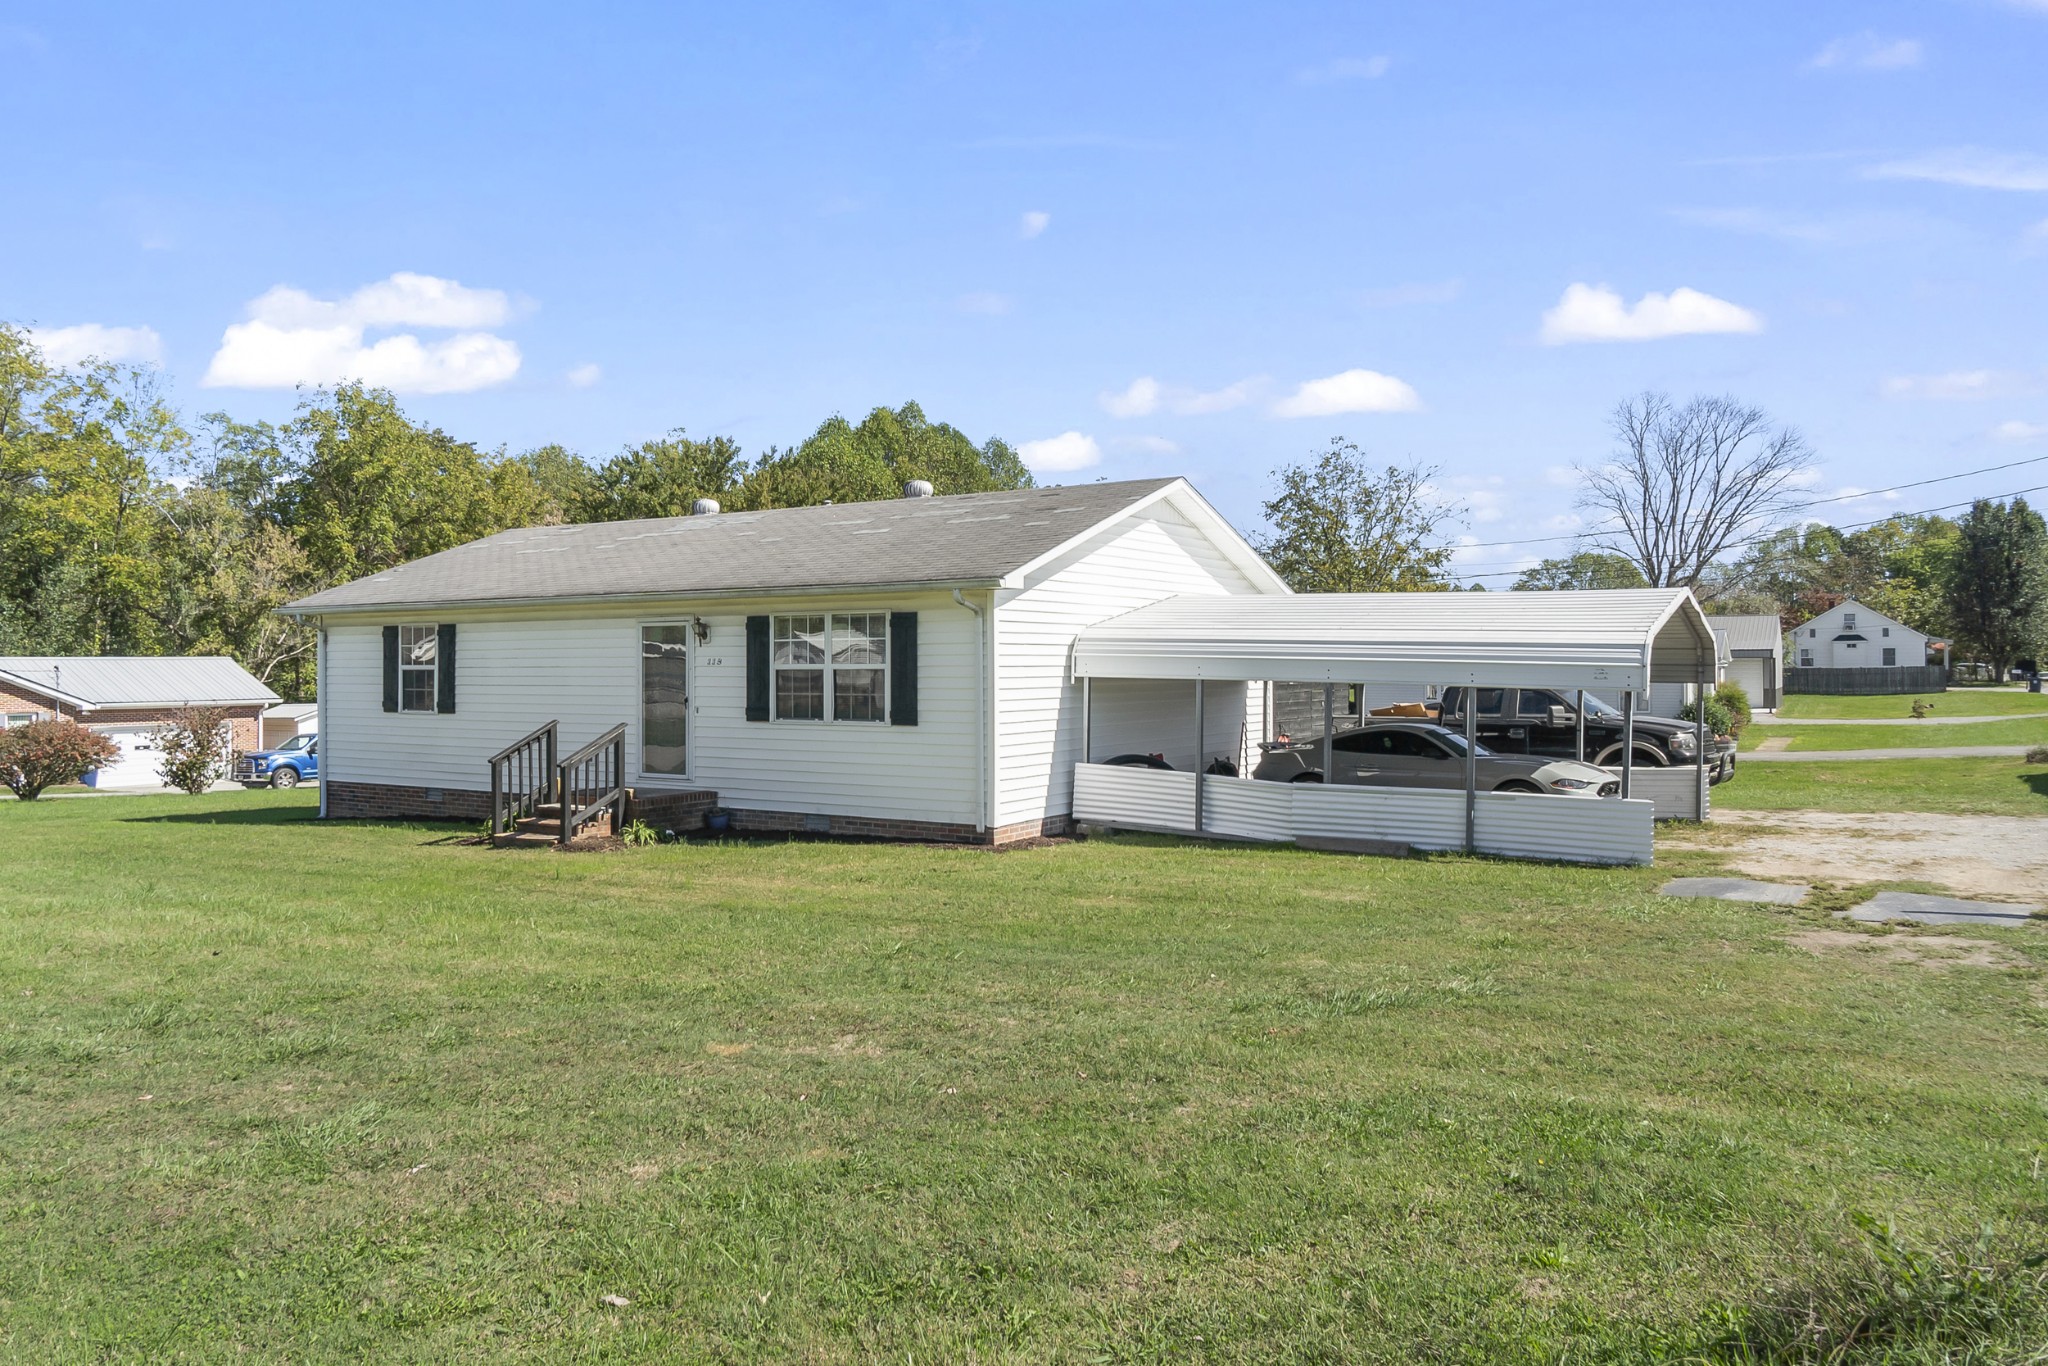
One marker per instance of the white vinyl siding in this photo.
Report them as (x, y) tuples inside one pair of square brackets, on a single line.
[(1816, 639), (582, 667), (1038, 709)]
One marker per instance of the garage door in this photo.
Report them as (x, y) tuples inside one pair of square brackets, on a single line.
[(1750, 674), (136, 764)]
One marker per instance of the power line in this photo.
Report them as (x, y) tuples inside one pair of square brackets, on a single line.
[(1847, 526), (1811, 503)]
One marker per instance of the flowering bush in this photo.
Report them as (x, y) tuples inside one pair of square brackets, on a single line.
[(45, 753), (196, 749)]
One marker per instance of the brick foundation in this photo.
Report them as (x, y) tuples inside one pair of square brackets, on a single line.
[(380, 801), (679, 811)]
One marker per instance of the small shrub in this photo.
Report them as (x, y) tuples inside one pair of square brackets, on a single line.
[(1735, 701), (639, 834), (2038, 755), (45, 753), (1718, 719), (196, 749)]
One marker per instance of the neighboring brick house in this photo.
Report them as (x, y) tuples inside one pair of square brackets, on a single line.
[(127, 697)]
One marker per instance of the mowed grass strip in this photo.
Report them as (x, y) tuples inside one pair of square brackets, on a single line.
[(1959, 787), (282, 1090), (1925, 735), (1954, 702)]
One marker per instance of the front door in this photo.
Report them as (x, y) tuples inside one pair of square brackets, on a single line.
[(665, 700)]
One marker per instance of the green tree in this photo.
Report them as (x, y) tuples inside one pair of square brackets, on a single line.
[(371, 489), (1341, 526), (561, 480), (1993, 593), (661, 478), (844, 463), (1586, 569), (228, 570)]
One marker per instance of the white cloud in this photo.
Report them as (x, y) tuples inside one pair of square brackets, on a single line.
[(1033, 223), (68, 346), (1146, 395), (292, 338), (585, 375), (1973, 167), (1352, 391), (1062, 453), (1958, 384), (2020, 431), (1866, 51), (1345, 69), (1596, 313), (1400, 296), (986, 303)]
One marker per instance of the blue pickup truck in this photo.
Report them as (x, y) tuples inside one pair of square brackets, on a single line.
[(295, 761)]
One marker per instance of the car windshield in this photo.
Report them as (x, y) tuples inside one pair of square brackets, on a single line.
[(297, 742), (1595, 707)]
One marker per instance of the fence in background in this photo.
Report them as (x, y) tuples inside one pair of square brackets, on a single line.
[(1867, 682)]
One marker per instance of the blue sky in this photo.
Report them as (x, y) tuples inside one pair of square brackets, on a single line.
[(1150, 239)]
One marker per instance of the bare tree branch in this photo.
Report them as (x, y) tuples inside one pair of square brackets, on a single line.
[(1688, 483)]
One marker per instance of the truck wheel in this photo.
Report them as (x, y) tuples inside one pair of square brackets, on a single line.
[(285, 778), (1306, 778), (1645, 758)]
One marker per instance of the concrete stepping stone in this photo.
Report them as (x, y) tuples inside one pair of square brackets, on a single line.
[(1937, 910), (1736, 889)]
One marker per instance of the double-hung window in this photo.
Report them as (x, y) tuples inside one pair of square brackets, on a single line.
[(418, 667), (1848, 621), (20, 718), (832, 666)]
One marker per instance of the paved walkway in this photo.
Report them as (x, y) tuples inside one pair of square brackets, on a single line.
[(1830, 756)]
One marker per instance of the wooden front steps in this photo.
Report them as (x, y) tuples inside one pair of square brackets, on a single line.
[(544, 827)]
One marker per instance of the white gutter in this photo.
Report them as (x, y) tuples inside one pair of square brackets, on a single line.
[(322, 610), (985, 708), (320, 714)]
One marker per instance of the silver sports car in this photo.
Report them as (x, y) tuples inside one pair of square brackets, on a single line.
[(1384, 753)]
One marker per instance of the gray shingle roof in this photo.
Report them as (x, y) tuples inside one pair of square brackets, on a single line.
[(139, 680), (960, 539), (1750, 632)]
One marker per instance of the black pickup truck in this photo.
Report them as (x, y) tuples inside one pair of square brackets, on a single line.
[(1541, 721)]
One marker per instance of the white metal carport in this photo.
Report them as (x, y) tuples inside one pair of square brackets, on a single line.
[(1620, 640)]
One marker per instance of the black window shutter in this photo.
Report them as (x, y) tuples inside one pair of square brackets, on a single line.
[(903, 668), (757, 668), (391, 668), (444, 656)]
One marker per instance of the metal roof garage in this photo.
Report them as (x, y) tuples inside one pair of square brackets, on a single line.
[(1619, 640)]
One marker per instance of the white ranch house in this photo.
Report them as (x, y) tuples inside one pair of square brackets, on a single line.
[(911, 668)]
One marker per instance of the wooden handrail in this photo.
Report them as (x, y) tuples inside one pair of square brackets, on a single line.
[(523, 779), (591, 779), (523, 741)]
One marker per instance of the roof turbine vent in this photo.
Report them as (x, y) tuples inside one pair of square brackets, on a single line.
[(918, 488), (704, 507)]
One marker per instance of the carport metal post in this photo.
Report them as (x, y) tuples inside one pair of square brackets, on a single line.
[(1088, 719), (1198, 755), (1471, 772), (1581, 727), (1329, 732), (1699, 737), (1628, 742)]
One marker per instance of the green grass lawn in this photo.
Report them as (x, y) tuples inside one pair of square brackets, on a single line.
[(1966, 787), (1954, 702), (1926, 735), (276, 1090)]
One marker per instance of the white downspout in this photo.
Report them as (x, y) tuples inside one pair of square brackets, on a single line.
[(320, 715), (982, 748)]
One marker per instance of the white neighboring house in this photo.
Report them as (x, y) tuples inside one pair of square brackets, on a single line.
[(896, 668), (1850, 635), (126, 697)]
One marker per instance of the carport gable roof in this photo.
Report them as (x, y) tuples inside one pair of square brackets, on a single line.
[(1752, 633), (1614, 639), (130, 682), (956, 541)]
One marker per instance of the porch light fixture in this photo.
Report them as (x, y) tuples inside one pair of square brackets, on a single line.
[(702, 628)]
